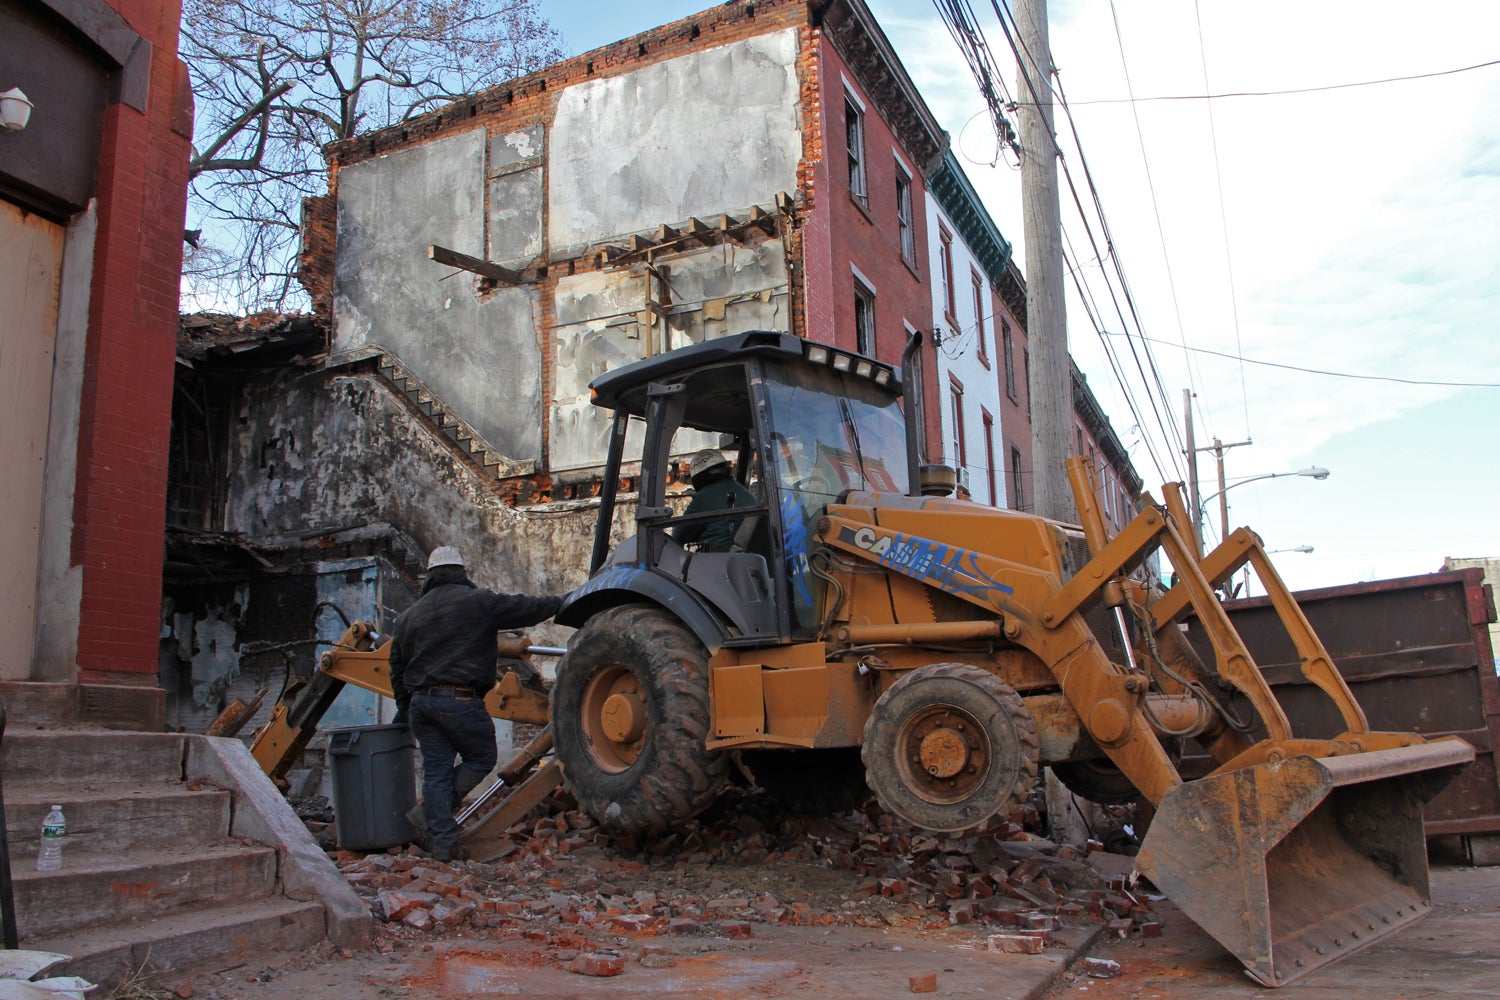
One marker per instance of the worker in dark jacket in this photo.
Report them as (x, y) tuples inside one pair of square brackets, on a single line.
[(714, 488), (443, 662)]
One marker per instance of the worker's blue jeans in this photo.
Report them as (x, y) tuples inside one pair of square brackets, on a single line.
[(448, 728)]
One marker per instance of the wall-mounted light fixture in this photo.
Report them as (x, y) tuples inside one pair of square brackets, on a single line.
[(15, 109)]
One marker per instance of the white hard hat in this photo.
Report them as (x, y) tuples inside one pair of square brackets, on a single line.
[(706, 459), (444, 555)]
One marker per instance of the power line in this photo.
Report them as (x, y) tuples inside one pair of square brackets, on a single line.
[(1295, 90), (1317, 371), (1213, 135), (1017, 46)]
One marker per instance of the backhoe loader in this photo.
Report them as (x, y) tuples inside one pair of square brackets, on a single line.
[(960, 648)]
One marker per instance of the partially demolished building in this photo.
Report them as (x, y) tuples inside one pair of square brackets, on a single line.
[(759, 166)]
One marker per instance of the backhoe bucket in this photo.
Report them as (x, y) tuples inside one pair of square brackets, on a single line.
[(1302, 861)]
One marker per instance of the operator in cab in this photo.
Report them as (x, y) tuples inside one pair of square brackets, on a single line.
[(714, 488), (443, 663)]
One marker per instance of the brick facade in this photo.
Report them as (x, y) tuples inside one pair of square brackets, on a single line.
[(125, 414)]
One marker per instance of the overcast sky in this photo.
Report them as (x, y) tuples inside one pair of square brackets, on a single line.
[(1352, 230)]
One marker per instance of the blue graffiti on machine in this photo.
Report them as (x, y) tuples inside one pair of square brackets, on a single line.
[(954, 570), (609, 578)]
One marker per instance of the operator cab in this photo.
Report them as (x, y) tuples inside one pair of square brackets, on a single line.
[(803, 423)]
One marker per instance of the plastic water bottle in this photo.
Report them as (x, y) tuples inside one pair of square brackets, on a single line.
[(54, 828)]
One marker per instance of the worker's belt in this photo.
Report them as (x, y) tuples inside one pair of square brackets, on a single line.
[(449, 691)]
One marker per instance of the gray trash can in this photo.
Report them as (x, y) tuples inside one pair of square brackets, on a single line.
[(374, 786)]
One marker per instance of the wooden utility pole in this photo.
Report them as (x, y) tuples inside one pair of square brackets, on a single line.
[(1050, 380), (1192, 459)]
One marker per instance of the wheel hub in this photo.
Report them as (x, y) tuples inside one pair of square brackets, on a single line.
[(946, 753), (943, 753), (624, 717), (614, 719)]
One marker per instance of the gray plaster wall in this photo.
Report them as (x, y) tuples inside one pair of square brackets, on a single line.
[(709, 132), (603, 323), (328, 450), (517, 175), (59, 593), (478, 350)]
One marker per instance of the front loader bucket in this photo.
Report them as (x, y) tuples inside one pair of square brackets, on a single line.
[(1299, 862)]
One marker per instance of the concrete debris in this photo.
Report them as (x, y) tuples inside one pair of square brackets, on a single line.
[(1101, 968), (597, 903)]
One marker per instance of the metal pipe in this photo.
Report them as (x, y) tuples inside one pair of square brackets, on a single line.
[(921, 634)]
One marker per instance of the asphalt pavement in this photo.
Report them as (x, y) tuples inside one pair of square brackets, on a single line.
[(1452, 952)]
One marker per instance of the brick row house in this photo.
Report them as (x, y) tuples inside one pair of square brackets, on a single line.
[(757, 166), (93, 192)]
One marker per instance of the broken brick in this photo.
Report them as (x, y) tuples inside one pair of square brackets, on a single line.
[(925, 983), (1017, 944), (738, 930), (597, 963)]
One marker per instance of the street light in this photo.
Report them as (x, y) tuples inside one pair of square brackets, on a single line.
[(1312, 472), (1300, 548)]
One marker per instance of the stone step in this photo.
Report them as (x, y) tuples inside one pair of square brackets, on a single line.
[(201, 941), (100, 887), (116, 816), (61, 756)]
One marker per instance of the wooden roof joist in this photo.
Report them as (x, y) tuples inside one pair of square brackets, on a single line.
[(677, 237), (483, 268)]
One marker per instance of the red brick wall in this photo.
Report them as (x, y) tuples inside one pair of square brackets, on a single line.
[(1015, 424), (867, 236), (124, 419)]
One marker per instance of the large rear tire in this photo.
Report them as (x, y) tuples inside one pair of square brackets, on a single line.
[(630, 716), (951, 748)]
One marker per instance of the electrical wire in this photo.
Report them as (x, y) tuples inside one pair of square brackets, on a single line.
[(1294, 90), (1168, 429), (1324, 371), (1213, 135)]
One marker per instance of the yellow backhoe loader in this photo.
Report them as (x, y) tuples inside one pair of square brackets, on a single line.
[(958, 649), (961, 648)]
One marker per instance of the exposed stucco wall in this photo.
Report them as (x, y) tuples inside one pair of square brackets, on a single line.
[(707, 132), (600, 325), (336, 450), (479, 352)]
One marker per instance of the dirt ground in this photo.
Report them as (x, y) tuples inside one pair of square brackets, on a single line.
[(745, 902)]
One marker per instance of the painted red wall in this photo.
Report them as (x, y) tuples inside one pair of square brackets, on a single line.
[(124, 420)]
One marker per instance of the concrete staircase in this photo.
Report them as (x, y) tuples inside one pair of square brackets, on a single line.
[(181, 857)]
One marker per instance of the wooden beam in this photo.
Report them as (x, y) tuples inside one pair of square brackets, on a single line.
[(483, 268), (702, 233), (762, 220)]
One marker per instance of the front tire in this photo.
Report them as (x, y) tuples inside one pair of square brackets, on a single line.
[(630, 716), (951, 748)]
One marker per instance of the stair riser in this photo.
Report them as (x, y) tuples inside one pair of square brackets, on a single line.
[(212, 949), (61, 756), (118, 824), (60, 901)]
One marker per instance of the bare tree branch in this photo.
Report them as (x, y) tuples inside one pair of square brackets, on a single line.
[(276, 80)]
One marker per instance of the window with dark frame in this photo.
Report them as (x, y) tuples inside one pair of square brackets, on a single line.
[(957, 397), (1026, 377), (864, 319), (989, 454), (1010, 359), (981, 346), (945, 262), (854, 135), (1018, 496), (904, 217)]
